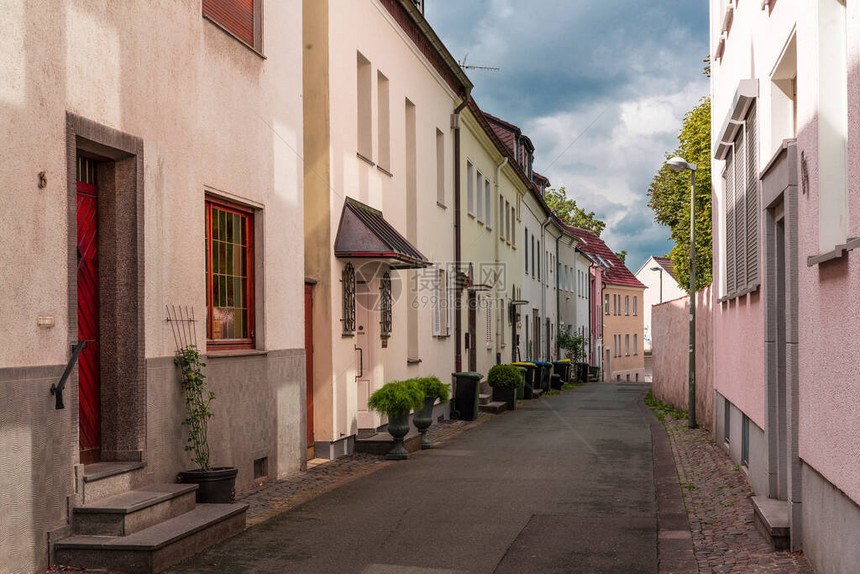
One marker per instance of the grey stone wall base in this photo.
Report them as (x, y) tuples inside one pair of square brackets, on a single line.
[(336, 449), (831, 521)]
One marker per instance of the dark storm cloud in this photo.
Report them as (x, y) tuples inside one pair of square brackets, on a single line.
[(634, 66)]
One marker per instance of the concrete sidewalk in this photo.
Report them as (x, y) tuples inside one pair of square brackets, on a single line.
[(564, 484)]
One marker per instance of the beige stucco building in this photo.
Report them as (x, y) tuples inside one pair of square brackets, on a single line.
[(492, 187), (379, 211), (129, 125)]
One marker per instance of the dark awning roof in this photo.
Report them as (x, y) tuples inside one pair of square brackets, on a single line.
[(364, 233)]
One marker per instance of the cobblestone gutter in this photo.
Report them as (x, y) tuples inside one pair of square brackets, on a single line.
[(716, 494)]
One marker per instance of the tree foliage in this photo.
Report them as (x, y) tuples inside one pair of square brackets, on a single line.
[(570, 213), (669, 196), (622, 255)]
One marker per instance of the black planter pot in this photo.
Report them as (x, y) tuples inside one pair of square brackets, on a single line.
[(423, 419), (216, 486), (398, 427), (508, 396)]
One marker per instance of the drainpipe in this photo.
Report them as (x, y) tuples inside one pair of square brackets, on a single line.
[(496, 236), (458, 319), (545, 269), (558, 298)]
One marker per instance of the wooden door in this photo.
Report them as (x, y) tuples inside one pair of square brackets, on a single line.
[(309, 367), (89, 399)]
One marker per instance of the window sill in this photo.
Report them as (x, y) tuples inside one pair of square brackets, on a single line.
[(741, 293), (839, 251), (383, 170), (226, 353), (365, 159), (235, 37), (413, 361)]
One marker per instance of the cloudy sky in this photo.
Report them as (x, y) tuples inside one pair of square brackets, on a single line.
[(629, 69)]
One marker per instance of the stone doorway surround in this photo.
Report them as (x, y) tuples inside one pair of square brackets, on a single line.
[(121, 277), (780, 229)]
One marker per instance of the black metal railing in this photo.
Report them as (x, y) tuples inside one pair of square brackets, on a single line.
[(57, 388)]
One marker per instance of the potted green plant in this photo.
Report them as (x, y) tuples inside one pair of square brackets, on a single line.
[(396, 400), (505, 379), (215, 484), (575, 347), (433, 389)]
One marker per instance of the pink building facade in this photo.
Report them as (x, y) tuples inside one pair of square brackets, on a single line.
[(786, 205)]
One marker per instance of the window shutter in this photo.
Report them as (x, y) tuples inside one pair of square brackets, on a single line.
[(235, 16), (731, 284), (437, 305), (449, 297), (740, 211), (752, 207)]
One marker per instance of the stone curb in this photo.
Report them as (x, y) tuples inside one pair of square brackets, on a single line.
[(675, 553)]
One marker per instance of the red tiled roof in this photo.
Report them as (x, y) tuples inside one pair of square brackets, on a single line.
[(616, 273), (667, 266)]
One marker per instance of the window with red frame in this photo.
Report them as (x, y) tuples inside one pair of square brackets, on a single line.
[(229, 275), (240, 18)]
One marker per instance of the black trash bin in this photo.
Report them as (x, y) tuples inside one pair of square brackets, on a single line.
[(555, 381), (530, 379), (544, 374), (466, 390), (562, 368)]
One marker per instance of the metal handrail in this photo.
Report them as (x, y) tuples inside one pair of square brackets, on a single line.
[(57, 388)]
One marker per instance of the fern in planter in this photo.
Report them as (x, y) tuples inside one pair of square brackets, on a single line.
[(432, 387), (396, 397), (197, 400), (504, 377)]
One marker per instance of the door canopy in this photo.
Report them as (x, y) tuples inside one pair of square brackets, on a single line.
[(364, 234)]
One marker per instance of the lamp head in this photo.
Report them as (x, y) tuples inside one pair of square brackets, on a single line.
[(656, 269), (680, 164)]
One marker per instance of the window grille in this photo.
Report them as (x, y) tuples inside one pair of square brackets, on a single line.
[(385, 305), (348, 287)]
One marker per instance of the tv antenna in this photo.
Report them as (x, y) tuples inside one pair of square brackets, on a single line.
[(466, 66)]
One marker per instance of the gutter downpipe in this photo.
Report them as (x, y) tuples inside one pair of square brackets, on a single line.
[(545, 272), (558, 297), (458, 319), (496, 235)]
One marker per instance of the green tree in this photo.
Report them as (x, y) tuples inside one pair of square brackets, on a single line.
[(622, 255), (669, 196), (570, 213)]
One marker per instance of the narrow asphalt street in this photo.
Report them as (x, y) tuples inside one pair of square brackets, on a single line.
[(563, 484)]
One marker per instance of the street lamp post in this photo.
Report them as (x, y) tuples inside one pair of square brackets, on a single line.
[(680, 164)]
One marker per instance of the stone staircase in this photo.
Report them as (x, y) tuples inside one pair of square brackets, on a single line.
[(486, 404), (145, 530)]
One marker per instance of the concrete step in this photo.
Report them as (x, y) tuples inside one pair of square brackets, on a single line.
[(771, 518), (105, 479), (130, 512), (484, 398), (381, 442), (494, 407), (158, 547)]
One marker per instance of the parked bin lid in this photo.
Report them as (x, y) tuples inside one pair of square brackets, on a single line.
[(526, 365), (468, 375)]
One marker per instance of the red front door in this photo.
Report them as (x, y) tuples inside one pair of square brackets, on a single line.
[(88, 313), (309, 366)]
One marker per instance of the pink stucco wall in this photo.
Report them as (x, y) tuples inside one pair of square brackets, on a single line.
[(829, 325), (670, 327), (739, 354)]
